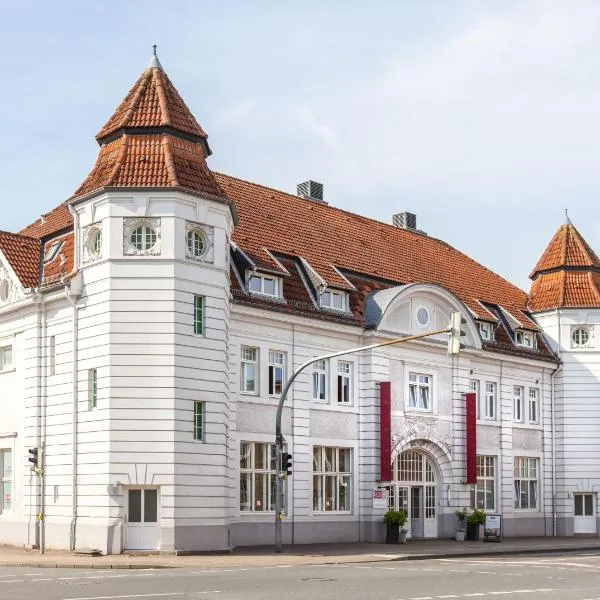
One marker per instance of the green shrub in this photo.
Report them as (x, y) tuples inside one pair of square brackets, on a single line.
[(462, 515), (477, 517), (395, 517)]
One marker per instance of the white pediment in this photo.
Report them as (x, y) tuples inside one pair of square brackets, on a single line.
[(10, 287)]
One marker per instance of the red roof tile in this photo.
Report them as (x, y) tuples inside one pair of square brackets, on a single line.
[(23, 254), (56, 220), (60, 267)]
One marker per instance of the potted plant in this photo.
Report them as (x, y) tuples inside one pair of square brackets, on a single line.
[(461, 516), (474, 520), (395, 521)]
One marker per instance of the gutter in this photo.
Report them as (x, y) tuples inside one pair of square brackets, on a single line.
[(553, 426)]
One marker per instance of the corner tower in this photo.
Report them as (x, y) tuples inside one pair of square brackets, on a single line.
[(153, 229), (565, 300)]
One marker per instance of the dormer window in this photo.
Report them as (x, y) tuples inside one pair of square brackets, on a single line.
[(266, 285), (334, 299), (52, 252), (525, 338), (486, 331)]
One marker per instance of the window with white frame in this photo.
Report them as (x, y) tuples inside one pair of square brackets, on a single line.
[(486, 331), (276, 372), (517, 403), (92, 388), (344, 382), (419, 391), (488, 407), (6, 358), (6, 480), (267, 285), (257, 477), (143, 237), (199, 421), (249, 370), (199, 315), (526, 472), (534, 407), (581, 337), (483, 495), (320, 381), (474, 387), (332, 479), (336, 300), (525, 338)]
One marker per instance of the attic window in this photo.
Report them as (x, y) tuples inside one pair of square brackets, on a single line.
[(525, 338), (52, 252), (486, 331), (264, 284), (334, 299)]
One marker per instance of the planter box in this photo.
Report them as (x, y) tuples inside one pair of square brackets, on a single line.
[(472, 532), (392, 533), (459, 536)]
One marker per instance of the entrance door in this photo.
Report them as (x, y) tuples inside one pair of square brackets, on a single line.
[(585, 513), (430, 527), (142, 519), (416, 511)]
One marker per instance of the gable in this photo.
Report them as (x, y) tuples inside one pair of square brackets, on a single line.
[(11, 289)]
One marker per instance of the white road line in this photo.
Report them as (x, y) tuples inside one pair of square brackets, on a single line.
[(133, 596), (13, 580)]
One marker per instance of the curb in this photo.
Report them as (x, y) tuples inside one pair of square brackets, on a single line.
[(82, 566)]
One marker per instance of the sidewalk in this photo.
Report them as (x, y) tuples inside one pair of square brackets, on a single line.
[(263, 556)]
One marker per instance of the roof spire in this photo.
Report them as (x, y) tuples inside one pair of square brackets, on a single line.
[(154, 62), (567, 220)]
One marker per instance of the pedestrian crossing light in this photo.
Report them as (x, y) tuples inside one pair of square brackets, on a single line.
[(455, 333), (286, 464)]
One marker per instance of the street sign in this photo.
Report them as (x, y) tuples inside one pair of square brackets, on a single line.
[(380, 498)]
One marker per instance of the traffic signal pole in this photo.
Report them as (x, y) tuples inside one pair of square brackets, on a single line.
[(279, 440)]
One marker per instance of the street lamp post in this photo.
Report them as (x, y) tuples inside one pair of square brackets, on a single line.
[(280, 473)]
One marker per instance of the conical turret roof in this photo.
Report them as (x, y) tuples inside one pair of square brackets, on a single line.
[(567, 274), (152, 140)]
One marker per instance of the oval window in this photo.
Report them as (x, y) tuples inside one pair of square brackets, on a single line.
[(95, 242), (580, 336), (4, 290), (195, 242), (422, 316), (143, 237)]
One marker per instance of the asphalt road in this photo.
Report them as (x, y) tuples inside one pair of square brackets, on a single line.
[(573, 576)]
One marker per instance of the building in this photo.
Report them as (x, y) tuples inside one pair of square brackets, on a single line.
[(148, 323)]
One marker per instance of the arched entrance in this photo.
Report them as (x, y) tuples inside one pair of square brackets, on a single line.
[(414, 489)]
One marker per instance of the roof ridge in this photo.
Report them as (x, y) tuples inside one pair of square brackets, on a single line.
[(169, 162), (388, 226), (139, 93), (584, 247), (162, 97), (26, 237)]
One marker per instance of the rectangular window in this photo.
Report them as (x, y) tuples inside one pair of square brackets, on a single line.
[(484, 494), (419, 391), (249, 371), (257, 477), (489, 401), (276, 372), (534, 411), (199, 421), (517, 403), (332, 477), (52, 355), (486, 331), (6, 480), (199, 315), (526, 482), (525, 338), (320, 381), (334, 300), (344, 382), (474, 387), (6, 358), (92, 388), (264, 284)]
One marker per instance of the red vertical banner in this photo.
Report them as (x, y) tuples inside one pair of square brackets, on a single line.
[(471, 436), (385, 431)]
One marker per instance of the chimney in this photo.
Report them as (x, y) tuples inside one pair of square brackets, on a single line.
[(311, 190), (405, 220)]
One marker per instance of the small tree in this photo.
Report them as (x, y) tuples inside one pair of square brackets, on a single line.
[(395, 517)]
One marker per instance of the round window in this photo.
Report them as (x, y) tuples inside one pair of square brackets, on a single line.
[(580, 336), (4, 290), (195, 242), (143, 238), (95, 242), (422, 316)]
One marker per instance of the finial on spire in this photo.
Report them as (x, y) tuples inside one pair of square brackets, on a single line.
[(154, 62), (567, 220)]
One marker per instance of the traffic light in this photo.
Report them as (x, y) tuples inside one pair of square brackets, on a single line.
[(33, 457), (286, 464), (455, 334)]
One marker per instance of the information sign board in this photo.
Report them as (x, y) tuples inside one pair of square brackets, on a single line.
[(492, 530)]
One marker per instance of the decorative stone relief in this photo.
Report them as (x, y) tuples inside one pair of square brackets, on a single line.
[(130, 224), (419, 430), (9, 292), (208, 235), (93, 243)]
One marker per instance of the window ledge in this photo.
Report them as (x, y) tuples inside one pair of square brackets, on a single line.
[(255, 394)]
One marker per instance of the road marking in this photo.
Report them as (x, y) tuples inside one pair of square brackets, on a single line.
[(135, 596), (13, 580)]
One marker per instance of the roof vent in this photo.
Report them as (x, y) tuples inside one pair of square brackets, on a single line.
[(405, 220), (311, 190)]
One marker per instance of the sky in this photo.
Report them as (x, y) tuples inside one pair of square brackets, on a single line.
[(481, 117)]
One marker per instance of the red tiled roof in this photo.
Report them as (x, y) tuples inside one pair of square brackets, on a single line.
[(23, 254), (567, 274), (152, 102), (155, 160), (57, 219), (330, 239), (61, 266)]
